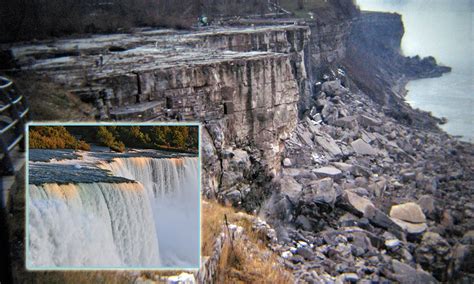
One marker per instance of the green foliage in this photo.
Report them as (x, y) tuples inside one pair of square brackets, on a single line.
[(106, 137), (54, 137), (180, 137), (117, 138)]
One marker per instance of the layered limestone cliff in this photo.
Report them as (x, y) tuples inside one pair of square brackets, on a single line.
[(243, 83)]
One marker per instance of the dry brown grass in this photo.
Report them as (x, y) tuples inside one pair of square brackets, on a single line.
[(246, 259), (246, 262)]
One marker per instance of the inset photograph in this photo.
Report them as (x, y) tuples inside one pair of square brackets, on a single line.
[(113, 196)]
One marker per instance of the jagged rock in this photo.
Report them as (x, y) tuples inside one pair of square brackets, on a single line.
[(406, 274), (349, 122), (305, 136), (290, 187), (359, 191), (233, 196), (362, 148), (334, 88), (355, 203), (303, 222), (343, 166), (427, 204), (348, 220), (410, 212), (181, 278), (329, 145), (433, 254), (280, 206), (306, 252), (447, 220), (286, 254), (407, 176), (297, 259), (380, 219), (360, 243), (330, 113), (321, 191), (378, 187), (235, 164), (367, 121), (331, 172)]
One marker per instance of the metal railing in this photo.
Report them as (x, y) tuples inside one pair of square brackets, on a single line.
[(13, 114)]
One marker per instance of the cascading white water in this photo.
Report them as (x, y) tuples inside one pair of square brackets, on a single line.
[(173, 189), (91, 225), (153, 222)]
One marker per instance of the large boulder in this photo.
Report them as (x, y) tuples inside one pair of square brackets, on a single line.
[(329, 171), (290, 188), (367, 121), (329, 145), (349, 122), (321, 191), (405, 274), (410, 212), (355, 203), (334, 88), (363, 148)]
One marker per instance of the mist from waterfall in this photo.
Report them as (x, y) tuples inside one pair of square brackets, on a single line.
[(152, 222)]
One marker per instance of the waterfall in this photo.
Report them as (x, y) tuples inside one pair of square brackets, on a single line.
[(173, 189), (153, 222)]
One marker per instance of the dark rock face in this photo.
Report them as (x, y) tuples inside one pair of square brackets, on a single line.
[(377, 67)]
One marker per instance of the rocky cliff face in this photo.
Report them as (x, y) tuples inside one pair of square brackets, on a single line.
[(378, 68), (243, 83)]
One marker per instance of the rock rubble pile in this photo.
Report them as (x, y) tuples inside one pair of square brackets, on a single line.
[(365, 198)]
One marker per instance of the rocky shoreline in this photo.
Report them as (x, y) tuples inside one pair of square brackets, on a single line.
[(365, 198)]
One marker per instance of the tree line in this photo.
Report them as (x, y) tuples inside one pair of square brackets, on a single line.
[(36, 19), (117, 138)]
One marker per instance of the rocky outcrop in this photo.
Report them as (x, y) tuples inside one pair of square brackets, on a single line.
[(378, 68)]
